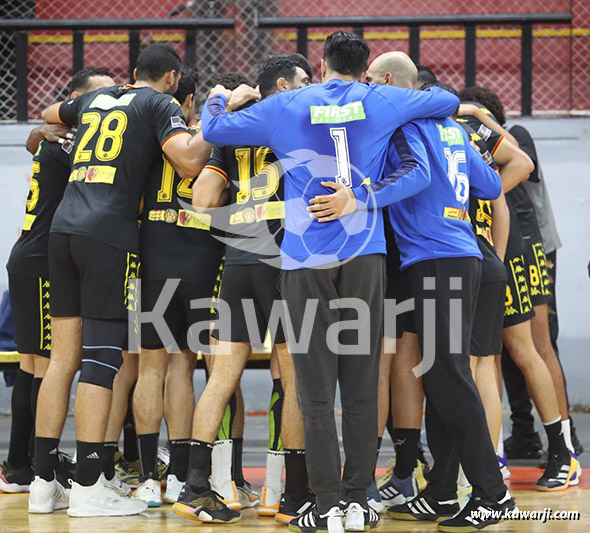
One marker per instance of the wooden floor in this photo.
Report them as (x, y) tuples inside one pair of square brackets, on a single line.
[(14, 517)]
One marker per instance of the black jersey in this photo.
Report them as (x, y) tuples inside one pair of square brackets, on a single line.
[(174, 239), (49, 177), (480, 212), (121, 131), (255, 228)]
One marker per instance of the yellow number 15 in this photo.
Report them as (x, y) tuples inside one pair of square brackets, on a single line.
[(112, 128)]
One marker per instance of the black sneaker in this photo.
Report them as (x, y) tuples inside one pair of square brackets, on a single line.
[(558, 473), (424, 507), (15, 480), (359, 518), (65, 469), (520, 446), (578, 448), (479, 513), (313, 522), (290, 508), (205, 506)]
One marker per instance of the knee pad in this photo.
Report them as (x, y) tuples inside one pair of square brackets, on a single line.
[(102, 344)]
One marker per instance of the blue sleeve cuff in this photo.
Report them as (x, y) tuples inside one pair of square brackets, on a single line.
[(361, 194)]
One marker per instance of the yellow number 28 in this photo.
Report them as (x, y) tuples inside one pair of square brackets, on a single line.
[(112, 128)]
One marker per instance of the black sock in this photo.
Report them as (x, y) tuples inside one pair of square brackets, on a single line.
[(199, 465), (108, 459), (296, 474), (130, 452), (379, 441), (34, 397), (406, 451), (147, 446), (275, 415), (179, 452), (555, 438), (45, 457), (237, 473), (389, 426), (88, 462), (22, 420)]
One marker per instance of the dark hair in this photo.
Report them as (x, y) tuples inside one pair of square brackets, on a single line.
[(442, 85), (347, 53), (275, 67), (300, 60), (230, 80), (79, 81), (187, 83), (425, 75), (157, 60), (487, 98)]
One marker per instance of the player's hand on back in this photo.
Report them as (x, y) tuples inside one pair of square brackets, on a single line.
[(328, 207), (219, 89), (243, 94), (57, 133)]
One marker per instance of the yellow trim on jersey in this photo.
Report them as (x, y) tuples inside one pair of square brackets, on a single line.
[(217, 170), (172, 136), (41, 313), (493, 152), (28, 223)]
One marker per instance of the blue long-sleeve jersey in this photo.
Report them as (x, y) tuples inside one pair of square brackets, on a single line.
[(334, 131), (434, 223)]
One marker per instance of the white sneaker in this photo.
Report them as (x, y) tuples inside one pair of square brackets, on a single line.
[(248, 497), (359, 519), (173, 488), (150, 492), (269, 502), (47, 496), (117, 484), (101, 499), (229, 495)]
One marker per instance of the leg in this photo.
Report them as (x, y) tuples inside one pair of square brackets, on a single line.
[(22, 423), (484, 373), (542, 340), (385, 375)]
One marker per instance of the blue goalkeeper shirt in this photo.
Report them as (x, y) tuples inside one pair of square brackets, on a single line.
[(335, 131), (434, 223)]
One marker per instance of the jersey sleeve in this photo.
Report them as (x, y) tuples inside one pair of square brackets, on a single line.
[(484, 182), (253, 126), (168, 118), (411, 105), (68, 111), (218, 163), (407, 172)]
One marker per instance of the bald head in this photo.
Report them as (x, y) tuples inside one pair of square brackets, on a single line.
[(393, 68)]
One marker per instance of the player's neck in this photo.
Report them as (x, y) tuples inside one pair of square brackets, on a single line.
[(337, 76), (156, 85)]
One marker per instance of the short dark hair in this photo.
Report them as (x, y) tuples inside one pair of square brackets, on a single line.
[(187, 83), (79, 81), (487, 98), (230, 80), (275, 67), (347, 53), (157, 60), (425, 75), (300, 60), (442, 85)]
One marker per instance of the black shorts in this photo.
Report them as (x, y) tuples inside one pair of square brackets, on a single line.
[(91, 279), (397, 288), (539, 282), (518, 305), (29, 303), (258, 283), (488, 320), (178, 315)]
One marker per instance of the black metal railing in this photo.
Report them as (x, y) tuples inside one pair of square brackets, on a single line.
[(469, 23), (78, 27)]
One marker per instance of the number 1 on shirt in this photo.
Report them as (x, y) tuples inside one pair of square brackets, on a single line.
[(342, 157)]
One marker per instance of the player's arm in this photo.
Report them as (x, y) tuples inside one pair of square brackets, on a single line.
[(210, 188), (500, 225), (187, 153), (411, 105), (515, 164), (252, 126), (484, 182), (48, 132), (487, 120)]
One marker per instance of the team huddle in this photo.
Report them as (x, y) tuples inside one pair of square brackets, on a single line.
[(329, 205)]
